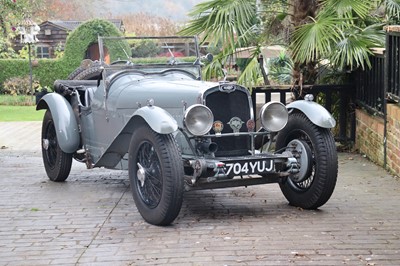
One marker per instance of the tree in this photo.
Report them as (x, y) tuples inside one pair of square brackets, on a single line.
[(144, 24), (63, 10), (231, 24), (340, 31), (12, 13)]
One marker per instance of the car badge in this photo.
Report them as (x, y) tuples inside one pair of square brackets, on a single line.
[(218, 126), (236, 124), (250, 125), (228, 88)]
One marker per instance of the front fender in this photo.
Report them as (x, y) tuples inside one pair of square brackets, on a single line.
[(64, 121), (158, 119), (315, 112)]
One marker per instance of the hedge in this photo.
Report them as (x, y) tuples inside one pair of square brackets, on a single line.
[(46, 71), (77, 43), (87, 34)]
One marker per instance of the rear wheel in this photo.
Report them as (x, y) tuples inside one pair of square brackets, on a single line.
[(56, 162), (156, 175), (315, 149)]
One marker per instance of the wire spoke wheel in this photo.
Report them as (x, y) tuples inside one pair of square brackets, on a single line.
[(156, 175), (150, 187)]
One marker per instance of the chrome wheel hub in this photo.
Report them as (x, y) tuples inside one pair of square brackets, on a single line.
[(141, 174), (45, 144), (301, 151)]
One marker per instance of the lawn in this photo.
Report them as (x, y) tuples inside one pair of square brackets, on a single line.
[(20, 113)]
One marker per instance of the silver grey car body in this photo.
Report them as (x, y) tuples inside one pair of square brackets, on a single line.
[(105, 119)]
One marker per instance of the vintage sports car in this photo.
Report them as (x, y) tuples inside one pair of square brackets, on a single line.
[(144, 107)]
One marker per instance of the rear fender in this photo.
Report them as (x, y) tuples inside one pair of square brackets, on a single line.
[(64, 121), (158, 119), (315, 112)]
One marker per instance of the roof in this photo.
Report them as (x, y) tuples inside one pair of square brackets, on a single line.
[(73, 24)]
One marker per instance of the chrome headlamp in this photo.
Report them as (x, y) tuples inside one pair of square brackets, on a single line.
[(273, 116), (198, 119)]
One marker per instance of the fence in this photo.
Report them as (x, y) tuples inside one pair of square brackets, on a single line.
[(393, 65), (337, 99), (376, 91), (382, 81), (370, 85)]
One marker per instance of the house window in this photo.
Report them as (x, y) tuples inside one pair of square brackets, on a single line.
[(42, 52)]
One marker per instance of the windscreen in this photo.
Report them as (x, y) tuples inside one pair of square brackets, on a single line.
[(151, 54)]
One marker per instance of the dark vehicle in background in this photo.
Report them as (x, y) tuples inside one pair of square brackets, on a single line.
[(144, 107)]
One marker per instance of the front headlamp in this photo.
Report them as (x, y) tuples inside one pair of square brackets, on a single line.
[(273, 116), (198, 119)]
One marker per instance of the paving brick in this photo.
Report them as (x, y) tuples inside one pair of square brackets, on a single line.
[(91, 220)]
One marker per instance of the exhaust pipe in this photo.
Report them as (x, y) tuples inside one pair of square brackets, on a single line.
[(207, 147)]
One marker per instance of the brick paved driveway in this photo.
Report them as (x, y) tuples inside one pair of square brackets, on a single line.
[(91, 220)]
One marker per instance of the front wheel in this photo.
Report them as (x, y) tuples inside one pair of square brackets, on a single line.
[(56, 162), (156, 175), (315, 150)]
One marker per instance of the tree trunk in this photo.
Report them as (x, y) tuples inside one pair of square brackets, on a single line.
[(301, 11)]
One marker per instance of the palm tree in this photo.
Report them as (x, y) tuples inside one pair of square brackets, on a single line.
[(340, 31), (229, 24)]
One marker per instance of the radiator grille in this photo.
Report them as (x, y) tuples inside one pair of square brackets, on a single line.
[(225, 106)]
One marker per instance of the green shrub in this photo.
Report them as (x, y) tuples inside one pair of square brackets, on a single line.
[(280, 69), (87, 34), (45, 72), (145, 48), (19, 86)]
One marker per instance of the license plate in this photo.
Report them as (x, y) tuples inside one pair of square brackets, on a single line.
[(248, 168)]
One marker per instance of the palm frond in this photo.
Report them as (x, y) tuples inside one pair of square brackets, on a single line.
[(313, 40), (346, 8), (393, 8), (252, 75), (375, 35), (219, 21), (352, 52), (214, 70), (354, 49)]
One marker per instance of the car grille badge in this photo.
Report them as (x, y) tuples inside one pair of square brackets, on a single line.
[(236, 124), (250, 125), (218, 126), (227, 87)]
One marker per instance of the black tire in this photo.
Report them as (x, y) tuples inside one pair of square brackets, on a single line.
[(76, 72), (92, 73), (158, 191), (56, 162), (87, 73), (317, 187)]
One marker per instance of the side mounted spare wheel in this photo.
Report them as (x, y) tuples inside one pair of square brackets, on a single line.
[(88, 70)]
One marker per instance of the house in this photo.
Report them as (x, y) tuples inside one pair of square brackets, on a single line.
[(53, 35)]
